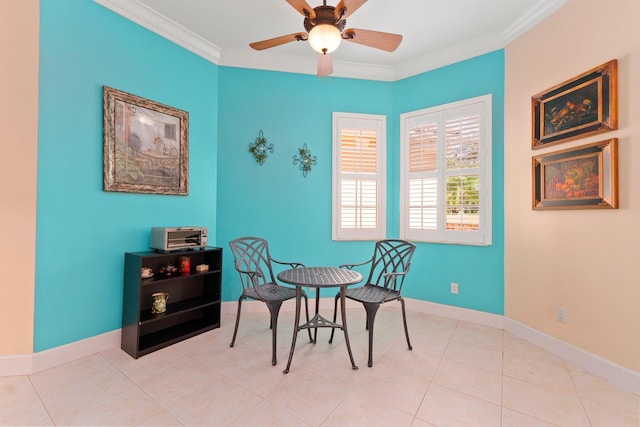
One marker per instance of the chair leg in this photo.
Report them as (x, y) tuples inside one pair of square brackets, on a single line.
[(404, 319), (306, 306), (371, 310), (235, 331), (335, 314), (274, 309)]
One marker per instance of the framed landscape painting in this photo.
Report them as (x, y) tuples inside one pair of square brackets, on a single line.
[(585, 105), (578, 178), (146, 145)]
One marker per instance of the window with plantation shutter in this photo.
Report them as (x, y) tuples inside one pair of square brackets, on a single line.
[(446, 173), (359, 176)]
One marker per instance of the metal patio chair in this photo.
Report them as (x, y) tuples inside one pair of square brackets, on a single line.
[(389, 266), (253, 263)]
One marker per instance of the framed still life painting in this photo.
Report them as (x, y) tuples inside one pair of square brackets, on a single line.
[(578, 178), (584, 105), (146, 145)]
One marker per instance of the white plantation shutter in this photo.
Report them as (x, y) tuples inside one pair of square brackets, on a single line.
[(446, 173), (359, 169), (462, 142), (423, 184), (359, 176)]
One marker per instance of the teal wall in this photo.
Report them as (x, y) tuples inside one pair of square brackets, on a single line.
[(275, 201), (82, 231), (478, 270)]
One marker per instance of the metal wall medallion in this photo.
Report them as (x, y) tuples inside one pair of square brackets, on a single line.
[(305, 160), (260, 149)]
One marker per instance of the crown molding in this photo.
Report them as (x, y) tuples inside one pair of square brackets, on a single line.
[(538, 13), (448, 56), (160, 24)]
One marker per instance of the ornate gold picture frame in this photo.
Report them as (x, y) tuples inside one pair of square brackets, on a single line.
[(146, 145), (578, 178), (584, 105)]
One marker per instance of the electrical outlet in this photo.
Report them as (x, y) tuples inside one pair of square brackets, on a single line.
[(562, 314), (454, 288)]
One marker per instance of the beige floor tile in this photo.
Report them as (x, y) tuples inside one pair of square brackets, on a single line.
[(216, 404), (92, 391), (476, 356), (387, 386), (418, 363), (150, 365), (266, 414), (605, 401), (160, 419), (417, 422), (256, 374), (594, 388), (360, 411), (515, 419), (432, 342), (453, 376), (479, 335), (308, 397), (527, 350), (541, 402), (330, 361), (602, 415), (15, 388), (552, 376), (169, 386), (446, 407), (20, 404), (476, 382)]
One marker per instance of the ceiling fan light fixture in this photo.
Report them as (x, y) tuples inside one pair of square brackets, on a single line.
[(324, 38)]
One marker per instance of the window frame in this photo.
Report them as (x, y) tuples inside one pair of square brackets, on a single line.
[(481, 105), (365, 122)]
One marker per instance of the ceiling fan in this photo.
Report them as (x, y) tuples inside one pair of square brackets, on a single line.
[(325, 26)]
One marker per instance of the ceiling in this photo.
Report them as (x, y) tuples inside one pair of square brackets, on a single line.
[(435, 32)]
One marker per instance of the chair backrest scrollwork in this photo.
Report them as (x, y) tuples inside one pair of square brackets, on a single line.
[(252, 261), (390, 263)]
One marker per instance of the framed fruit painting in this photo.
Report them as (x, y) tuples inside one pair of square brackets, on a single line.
[(578, 178)]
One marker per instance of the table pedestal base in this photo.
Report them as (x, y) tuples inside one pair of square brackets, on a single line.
[(319, 322)]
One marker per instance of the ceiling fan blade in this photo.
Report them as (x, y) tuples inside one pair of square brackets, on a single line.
[(265, 44), (350, 5), (325, 64), (377, 39), (301, 6)]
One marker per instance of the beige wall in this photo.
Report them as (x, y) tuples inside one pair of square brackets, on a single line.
[(19, 50), (585, 260)]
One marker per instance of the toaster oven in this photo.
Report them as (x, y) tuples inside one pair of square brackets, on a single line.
[(177, 238)]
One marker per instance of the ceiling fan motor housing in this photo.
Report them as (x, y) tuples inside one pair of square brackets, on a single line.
[(324, 15)]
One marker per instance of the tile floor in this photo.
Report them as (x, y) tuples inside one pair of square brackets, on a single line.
[(458, 374)]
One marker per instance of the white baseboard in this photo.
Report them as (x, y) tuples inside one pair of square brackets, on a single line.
[(617, 374), (16, 364), (597, 365), (457, 313), (26, 364)]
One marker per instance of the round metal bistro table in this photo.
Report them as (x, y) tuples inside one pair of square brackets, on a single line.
[(320, 277)]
